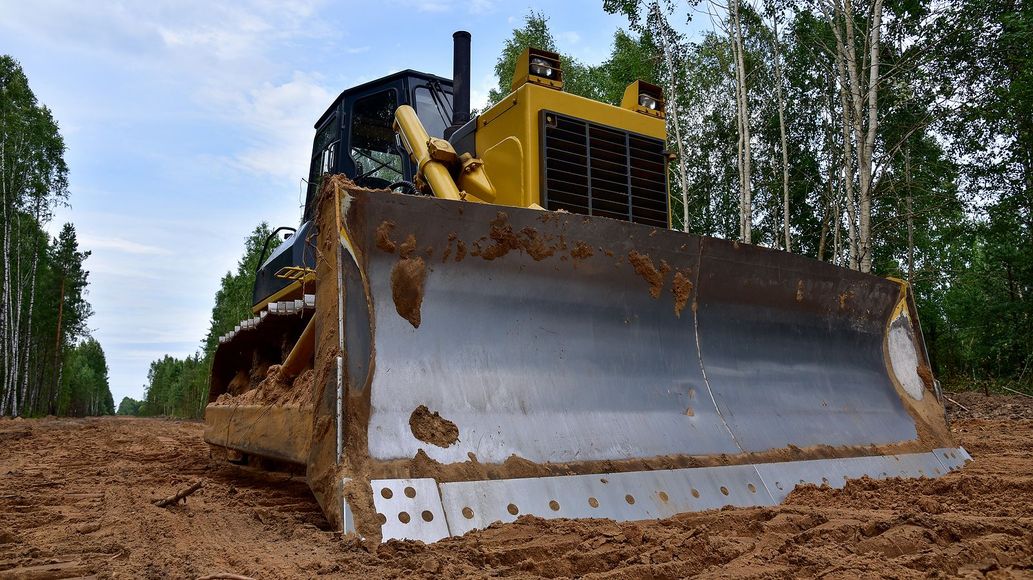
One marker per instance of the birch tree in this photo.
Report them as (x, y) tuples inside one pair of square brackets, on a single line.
[(33, 181), (857, 61), (668, 41), (775, 9)]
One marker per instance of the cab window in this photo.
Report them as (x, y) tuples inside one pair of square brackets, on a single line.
[(431, 111), (324, 159), (378, 162)]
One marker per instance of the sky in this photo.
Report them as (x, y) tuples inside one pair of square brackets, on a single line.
[(189, 122)]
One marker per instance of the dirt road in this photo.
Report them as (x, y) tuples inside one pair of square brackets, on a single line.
[(76, 500)]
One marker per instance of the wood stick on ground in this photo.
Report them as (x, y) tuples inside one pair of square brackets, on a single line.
[(957, 403), (225, 576), (1017, 392), (173, 500)]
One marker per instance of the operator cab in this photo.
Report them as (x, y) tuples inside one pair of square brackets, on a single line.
[(355, 137)]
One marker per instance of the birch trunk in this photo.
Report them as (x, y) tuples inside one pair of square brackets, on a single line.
[(16, 328), (5, 193), (910, 218), (782, 136), (867, 180), (848, 128), (27, 345), (864, 114), (743, 109), (672, 105)]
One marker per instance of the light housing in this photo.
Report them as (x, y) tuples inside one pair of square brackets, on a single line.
[(539, 67), (645, 98)]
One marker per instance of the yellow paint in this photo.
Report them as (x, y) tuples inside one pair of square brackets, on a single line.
[(631, 94), (432, 156), (509, 142), (522, 70), (901, 307), (296, 273)]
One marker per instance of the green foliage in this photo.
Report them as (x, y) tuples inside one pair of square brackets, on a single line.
[(33, 165), (84, 383), (953, 197), (233, 300), (983, 68), (43, 306), (179, 387), (632, 59), (176, 387), (129, 406)]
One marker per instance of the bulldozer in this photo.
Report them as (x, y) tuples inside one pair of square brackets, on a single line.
[(487, 316)]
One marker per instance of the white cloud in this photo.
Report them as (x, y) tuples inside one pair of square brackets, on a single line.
[(222, 55), (482, 6), (280, 117), (568, 38), (476, 7), (95, 243)]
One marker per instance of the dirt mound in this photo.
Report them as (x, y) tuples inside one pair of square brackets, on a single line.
[(75, 500), (274, 389)]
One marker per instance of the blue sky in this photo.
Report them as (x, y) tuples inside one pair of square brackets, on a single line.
[(189, 122)]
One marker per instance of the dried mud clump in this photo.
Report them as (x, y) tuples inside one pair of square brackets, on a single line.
[(682, 289), (406, 248), (384, 241), (581, 251), (407, 279), (430, 427), (645, 268), (504, 239)]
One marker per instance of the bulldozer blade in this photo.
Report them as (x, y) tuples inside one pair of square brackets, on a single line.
[(480, 363)]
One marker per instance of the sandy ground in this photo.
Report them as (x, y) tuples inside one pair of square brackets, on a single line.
[(75, 500)]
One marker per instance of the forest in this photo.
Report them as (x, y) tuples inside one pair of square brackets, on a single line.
[(892, 137), (49, 363)]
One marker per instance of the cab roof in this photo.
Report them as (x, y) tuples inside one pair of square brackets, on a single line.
[(405, 74)]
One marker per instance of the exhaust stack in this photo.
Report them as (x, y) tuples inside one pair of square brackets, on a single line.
[(460, 79)]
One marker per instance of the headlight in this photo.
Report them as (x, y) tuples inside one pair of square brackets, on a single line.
[(541, 67), (648, 102)]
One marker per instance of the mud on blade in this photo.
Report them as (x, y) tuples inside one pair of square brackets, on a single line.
[(496, 362)]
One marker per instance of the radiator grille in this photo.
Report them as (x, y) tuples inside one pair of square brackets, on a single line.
[(593, 169)]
